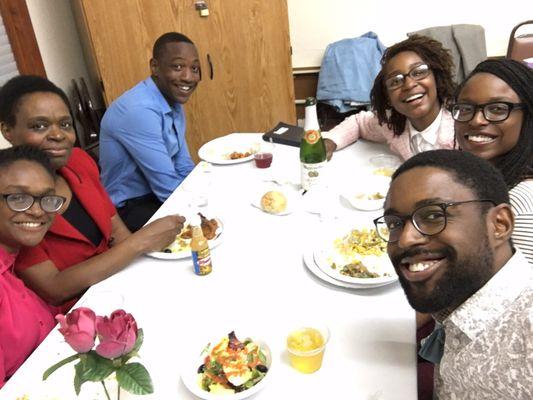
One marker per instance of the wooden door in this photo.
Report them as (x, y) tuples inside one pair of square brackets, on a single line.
[(248, 85)]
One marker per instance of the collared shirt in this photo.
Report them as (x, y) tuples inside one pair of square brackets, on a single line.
[(24, 318), (488, 350), (142, 145), (521, 199), (426, 139), (365, 125)]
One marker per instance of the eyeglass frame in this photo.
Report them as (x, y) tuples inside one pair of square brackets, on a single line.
[(477, 107), (442, 206), (34, 199), (408, 74)]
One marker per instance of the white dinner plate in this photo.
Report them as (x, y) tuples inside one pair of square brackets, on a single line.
[(310, 263), (360, 198), (186, 252), (324, 253), (191, 362), (217, 151)]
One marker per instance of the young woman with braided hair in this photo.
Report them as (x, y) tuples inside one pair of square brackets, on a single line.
[(408, 101), (493, 112)]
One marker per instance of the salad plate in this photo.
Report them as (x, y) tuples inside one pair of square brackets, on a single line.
[(230, 149), (229, 367), (181, 249)]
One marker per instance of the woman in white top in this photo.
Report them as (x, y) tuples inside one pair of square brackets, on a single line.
[(408, 101), (493, 115)]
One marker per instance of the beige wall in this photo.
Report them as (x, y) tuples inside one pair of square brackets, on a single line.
[(313, 25), (58, 40), (316, 23)]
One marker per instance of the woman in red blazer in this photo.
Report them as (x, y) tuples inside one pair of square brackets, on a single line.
[(88, 241)]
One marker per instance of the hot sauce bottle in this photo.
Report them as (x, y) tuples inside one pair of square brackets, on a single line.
[(201, 256)]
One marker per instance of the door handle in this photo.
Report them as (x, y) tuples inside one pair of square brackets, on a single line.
[(211, 70)]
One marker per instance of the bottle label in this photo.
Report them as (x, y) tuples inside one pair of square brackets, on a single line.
[(201, 260), (312, 136), (311, 174)]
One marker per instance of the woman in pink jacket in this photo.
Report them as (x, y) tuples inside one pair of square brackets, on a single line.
[(27, 207), (408, 102)]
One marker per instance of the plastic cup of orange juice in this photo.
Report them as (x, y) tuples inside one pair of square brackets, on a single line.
[(306, 346)]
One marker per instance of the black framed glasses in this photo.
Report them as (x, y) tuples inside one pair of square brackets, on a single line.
[(496, 111), (416, 73), (428, 220), (20, 202)]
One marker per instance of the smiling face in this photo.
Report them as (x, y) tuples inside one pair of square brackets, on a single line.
[(417, 100), (486, 139), (43, 120), (25, 228), (177, 71), (440, 271)]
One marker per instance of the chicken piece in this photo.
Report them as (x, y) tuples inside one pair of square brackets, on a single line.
[(209, 228)]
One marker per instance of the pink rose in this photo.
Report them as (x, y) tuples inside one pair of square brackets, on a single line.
[(117, 334), (78, 328)]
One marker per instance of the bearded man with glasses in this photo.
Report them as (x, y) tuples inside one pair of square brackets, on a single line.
[(448, 225)]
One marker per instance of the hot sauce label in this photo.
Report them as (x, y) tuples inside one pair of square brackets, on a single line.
[(202, 262), (312, 136)]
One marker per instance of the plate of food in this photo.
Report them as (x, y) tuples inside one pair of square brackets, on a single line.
[(384, 164), (370, 196), (230, 149), (228, 368), (356, 256), (277, 201), (180, 248)]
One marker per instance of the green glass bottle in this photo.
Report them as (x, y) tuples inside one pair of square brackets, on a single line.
[(312, 148)]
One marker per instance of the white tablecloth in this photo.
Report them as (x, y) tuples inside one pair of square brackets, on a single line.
[(259, 287)]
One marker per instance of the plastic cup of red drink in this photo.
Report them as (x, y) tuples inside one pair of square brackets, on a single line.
[(263, 157)]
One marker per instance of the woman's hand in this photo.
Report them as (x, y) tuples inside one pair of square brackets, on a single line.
[(330, 148), (158, 234)]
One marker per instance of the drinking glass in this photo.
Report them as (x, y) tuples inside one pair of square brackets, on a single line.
[(264, 155), (196, 190), (306, 346)]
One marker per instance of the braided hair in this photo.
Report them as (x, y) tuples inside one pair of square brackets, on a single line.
[(517, 164), (435, 56)]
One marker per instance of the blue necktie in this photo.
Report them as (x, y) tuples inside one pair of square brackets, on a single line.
[(433, 346)]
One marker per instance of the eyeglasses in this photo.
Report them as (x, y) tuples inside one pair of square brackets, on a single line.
[(417, 73), (20, 202), (428, 220), (497, 111)]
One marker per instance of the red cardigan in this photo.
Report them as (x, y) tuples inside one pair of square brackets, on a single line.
[(63, 244)]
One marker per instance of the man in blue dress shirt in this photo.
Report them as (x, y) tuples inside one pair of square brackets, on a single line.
[(143, 152)]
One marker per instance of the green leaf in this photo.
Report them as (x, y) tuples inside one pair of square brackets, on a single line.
[(77, 384), (95, 368), (206, 349), (262, 357), (54, 367), (78, 377), (135, 379)]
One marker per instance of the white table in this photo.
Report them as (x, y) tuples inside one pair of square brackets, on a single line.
[(259, 286)]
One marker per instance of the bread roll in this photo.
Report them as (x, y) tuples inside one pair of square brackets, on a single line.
[(274, 202)]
